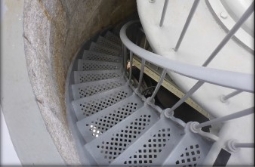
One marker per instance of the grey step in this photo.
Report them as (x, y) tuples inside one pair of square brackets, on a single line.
[(107, 43), (88, 76), (112, 37), (110, 145), (90, 55), (90, 88), (88, 65), (154, 146), (90, 105), (190, 151), (107, 118), (102, 49)]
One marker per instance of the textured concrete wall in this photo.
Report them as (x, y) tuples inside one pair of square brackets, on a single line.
[(53, 32)]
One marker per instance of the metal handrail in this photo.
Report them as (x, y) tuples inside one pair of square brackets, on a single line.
[(235, 80)]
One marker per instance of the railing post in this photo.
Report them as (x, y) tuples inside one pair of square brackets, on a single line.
[(225, 98), (141, 76), (131, 64), (226, 118), (163, 13), (161, 79), (184, 98), (125, 57), (234, 146), (186, 25)]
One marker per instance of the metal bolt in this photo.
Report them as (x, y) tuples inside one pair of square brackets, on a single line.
[(152, 1), (223, 15)]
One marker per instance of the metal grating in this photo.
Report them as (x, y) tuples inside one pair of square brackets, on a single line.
[(87, 76), (111, 144), (151, 149), (119, 141), (89, 106), (108, 121), (190, 156), (91, 88), (90, 55), (102, 49), (107, 43), (85, 65), (110, 36), (109, 117)]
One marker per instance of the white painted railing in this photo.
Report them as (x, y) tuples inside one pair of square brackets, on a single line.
[(242, 82)]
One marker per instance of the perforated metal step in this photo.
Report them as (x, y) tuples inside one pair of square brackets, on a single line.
[(102, 49), (110, 145), (110, 36), (91, 88), (90, 105), (87, 76), (90, 55), (190, 151), (97, 124), (154, 146), (88, 65), (107, 43)]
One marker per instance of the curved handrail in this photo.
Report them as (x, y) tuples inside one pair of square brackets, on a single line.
[(235, 80)]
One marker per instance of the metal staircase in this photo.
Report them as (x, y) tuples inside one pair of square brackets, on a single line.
[(117, 127)]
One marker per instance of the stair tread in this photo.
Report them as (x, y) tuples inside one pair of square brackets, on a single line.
[(88, 76), (190, 151), (121, 136), (90, 88), (91, 55), (108, 117), (112, 37), (102, 49), (89, 65), (87, 106), (108, 43), (153, 147)]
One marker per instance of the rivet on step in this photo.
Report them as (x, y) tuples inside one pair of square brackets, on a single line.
[(223, 15)]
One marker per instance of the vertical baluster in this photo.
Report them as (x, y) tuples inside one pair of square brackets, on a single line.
[(163, 13), (186, 25), (244, 17), (145, 43), (184, 98), (225, 98), (161, 79), (233, 146), (125, 57), (141, 76), (131, 64), (226, 118)]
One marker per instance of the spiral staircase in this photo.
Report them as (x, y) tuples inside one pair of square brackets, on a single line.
[(113, 123)]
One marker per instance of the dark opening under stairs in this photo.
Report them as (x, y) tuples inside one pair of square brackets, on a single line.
[(112, 124)]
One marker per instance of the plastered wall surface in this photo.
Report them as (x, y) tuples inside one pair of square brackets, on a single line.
[(54, 30)]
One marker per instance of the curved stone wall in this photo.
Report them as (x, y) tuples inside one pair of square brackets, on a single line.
[(54, 30)]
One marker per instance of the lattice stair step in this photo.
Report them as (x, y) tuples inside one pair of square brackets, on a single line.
[(88, 65), (102, 49), (154, 146), (90, 88), (112, 37), (97, 124), (111, 144), (107, 43), (87, 76), (90, 55), (90, 105), (190, 151)]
